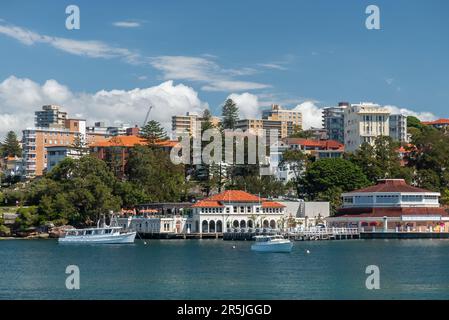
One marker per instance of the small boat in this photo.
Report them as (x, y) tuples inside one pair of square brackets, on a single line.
[(272, 244), (106, 234)]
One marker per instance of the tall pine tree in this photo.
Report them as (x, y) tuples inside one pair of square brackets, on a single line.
[(11, 146), (230, 113), (154, 133)]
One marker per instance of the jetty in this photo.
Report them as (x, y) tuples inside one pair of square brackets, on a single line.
[(307, 234)]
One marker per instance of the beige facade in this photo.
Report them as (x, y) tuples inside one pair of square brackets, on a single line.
[(277, 113), (190, 123), (363, 123)]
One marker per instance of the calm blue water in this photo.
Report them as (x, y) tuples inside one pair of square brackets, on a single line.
[(212, 269)]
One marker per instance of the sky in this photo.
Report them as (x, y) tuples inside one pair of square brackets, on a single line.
[(184, 56)]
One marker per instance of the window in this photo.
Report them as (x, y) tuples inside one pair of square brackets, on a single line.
[(228, 210), (235, 209), (412, 198)]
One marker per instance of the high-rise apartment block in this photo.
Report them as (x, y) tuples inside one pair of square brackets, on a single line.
[(277, 113), (50, 117), (398, 128), (190, 123), (364, 122), (334, 122), (52, 129)]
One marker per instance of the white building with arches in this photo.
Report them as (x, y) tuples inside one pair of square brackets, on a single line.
[(236, 209)]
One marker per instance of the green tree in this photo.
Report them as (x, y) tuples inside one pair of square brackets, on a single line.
[(326, 174), (86, 190), (11, 146), (381, 160), (230, 113), (153, 132), (152, 171), (297, 161)]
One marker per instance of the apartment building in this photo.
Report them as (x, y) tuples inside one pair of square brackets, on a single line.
[(334, 123), (277, 113), (50, 117), (190, 123), (363, 123), (284, 128), (49, 132), (398, 128)]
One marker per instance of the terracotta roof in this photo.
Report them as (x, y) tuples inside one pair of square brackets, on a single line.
[(322, 144), (272, 204), (391, 185), (389, 212), (207, 204), (439, 121), (129, 141), (234, 196)]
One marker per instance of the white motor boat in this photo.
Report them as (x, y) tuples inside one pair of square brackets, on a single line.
[(272, 244), (112, 234)]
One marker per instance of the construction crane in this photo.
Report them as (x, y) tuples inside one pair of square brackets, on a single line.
[(147, 116)]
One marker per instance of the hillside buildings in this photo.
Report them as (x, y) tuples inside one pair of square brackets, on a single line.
[(438, 124), (190, 123), (334, 123), (54, 129), (366, 121)]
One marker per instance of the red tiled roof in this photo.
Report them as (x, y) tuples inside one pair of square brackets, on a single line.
[(235, 196), (439, 121), (227, 196), (391, 185), (272, 204), (389, 212), (207, 204), (129, 141), (322, 144)]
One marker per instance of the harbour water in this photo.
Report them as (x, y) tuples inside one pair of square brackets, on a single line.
[(214, 269)]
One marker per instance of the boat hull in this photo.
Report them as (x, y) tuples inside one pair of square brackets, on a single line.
[(273, 247), (123, 238)]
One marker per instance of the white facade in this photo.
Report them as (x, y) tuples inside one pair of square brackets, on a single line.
[(390, 199), (236, 215), (363, 123), (157, 225)]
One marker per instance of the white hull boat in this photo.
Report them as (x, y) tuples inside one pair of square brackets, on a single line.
[(99, 235), (272, 244), (111, 238)]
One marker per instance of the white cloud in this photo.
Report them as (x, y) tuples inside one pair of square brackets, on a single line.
[(91, 48), (126, 24), (423, 116), (272, 66), (248, 105), (200, 69), (19, 98), (311, 114)]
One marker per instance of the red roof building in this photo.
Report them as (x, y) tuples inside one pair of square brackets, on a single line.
[(236, 209), (439, 124), (116, 149), (319, 148), (392, 204)]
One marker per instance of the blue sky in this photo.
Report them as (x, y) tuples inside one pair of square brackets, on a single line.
[(279, 51)]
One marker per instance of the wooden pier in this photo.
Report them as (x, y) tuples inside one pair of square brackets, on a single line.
[(324, 234), (301, 235)]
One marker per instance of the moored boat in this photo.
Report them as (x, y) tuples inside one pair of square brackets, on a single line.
[(272, 244), (112, 234)]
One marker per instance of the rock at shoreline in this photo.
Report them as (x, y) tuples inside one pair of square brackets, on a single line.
[(58, 232)]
